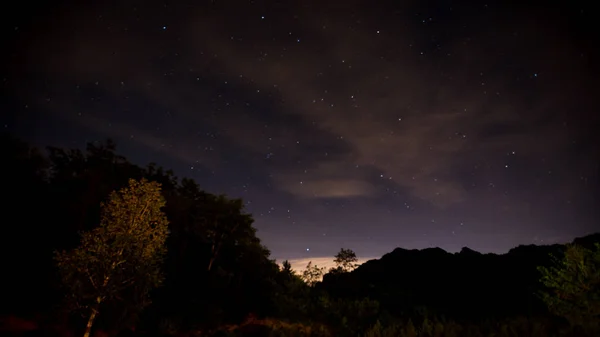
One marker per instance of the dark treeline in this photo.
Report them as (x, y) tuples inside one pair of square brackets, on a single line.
[(220, 280)]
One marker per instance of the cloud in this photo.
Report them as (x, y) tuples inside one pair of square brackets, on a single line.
[(373, 117), (335, 188), (326, 178), (348, 115), (400, 117)]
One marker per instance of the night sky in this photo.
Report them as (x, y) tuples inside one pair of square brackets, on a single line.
[(367, 125)]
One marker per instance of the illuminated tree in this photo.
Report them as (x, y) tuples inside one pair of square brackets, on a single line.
[(573, 286), (121, 256)]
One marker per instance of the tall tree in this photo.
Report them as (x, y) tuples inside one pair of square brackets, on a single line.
[(25, 257), (346, 260), (225, 222), (123, 255), (286, 268), (573, 286)]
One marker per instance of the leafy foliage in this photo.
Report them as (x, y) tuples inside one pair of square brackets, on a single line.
[(573, 286), (124, 254)]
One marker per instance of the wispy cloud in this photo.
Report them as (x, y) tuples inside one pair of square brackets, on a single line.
[(333, 188), (392, 118), (396, 118)]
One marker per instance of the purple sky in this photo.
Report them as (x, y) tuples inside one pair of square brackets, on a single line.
[(358, 126)]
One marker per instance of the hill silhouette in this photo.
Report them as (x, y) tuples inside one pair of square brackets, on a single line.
[(458, 285), (221, 280)]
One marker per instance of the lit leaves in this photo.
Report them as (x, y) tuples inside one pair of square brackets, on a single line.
[(573, 284), (124, 252)]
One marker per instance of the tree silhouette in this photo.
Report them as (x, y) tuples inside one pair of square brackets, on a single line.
[(23, 176), (573, 284), (312, 274), (286, 268), (123, 254), (346, 260), (224, 222)]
